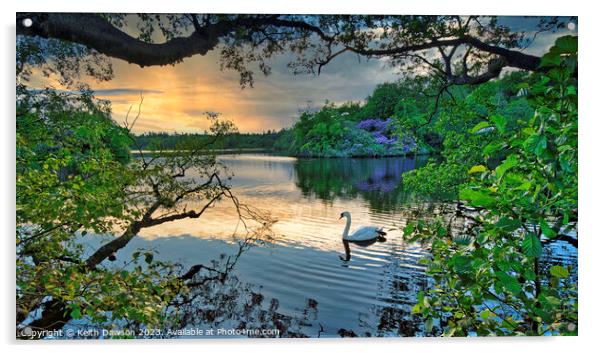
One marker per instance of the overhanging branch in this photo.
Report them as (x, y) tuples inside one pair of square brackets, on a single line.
[(99, 34)]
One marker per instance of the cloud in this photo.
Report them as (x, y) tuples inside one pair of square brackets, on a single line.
[(181, 94)]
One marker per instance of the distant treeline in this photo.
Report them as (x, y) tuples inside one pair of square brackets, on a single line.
[(268, 140)]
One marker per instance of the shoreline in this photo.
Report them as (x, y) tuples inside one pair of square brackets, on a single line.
[(277, 153)]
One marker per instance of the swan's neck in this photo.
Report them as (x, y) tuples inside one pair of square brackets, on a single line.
[(347, 226)]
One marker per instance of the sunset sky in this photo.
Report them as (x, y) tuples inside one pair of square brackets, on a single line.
[(175, 97)]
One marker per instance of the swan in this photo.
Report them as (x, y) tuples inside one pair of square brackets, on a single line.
[(362, 234)]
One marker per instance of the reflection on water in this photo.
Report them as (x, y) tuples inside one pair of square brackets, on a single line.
[(376, 181), (372, 294)]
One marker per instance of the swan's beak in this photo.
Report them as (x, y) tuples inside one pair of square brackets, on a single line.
[(340, 217)]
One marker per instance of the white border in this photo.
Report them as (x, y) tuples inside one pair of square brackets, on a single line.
[(589, 170)]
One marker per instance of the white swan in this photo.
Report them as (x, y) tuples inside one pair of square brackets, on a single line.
[(362, 234)]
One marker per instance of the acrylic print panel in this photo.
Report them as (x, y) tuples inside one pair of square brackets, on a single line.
[(376, 176)]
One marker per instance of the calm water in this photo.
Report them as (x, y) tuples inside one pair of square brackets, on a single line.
[(373, 293)]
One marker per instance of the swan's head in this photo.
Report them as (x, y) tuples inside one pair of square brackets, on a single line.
[(345, 214)]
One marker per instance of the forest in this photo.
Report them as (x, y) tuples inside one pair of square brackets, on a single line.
[(234, 141), (497, 127)]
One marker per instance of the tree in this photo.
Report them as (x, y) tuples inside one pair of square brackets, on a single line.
[(471, 49), (492, 280), (75, 175), (461, 146)]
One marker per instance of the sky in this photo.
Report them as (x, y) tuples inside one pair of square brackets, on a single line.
[(176, 97)]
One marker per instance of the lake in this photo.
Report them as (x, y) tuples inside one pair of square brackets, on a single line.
[(372, 294)]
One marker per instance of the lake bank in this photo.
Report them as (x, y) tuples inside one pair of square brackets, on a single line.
[(226, 151)]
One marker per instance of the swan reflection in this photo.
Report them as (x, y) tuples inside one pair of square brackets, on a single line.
[(363, 244)]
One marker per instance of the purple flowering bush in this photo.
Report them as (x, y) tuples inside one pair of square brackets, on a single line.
[(383, 133), (376, 125), (331, 133)]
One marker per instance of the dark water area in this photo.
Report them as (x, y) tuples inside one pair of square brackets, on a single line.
[(373, 293)]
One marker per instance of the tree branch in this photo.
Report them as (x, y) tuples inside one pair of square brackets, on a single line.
[(513, 58), (97, 33)]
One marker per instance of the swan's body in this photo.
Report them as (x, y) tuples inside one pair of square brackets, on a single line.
[(364, 233)]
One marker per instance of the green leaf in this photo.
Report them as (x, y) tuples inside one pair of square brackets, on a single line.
[(463, 239), (509, 282), (409, 229), (493, 147), (567, 44), (529, 274), (541, 146), (559, 271), (462, 264), (510, 162), (477, 197), (500, 122), (480, 126), (531, 245), (546, 229), (428, 325), (508, 224), (75, 312), (417, 309), (536, 144), (571, 91), (477, 169), (552, 300), (486, 314), (550, 59)]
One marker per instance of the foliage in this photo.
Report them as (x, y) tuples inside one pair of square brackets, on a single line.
[(494, 281), (435, 180), (462, 122), (407, 42), (383, 101), (412, 122), (72, 169), (61, 60), (76, 179), (341, 132), (266, 140)]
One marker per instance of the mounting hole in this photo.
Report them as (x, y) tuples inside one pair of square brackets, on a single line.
[(27, 22), (571, 26)]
